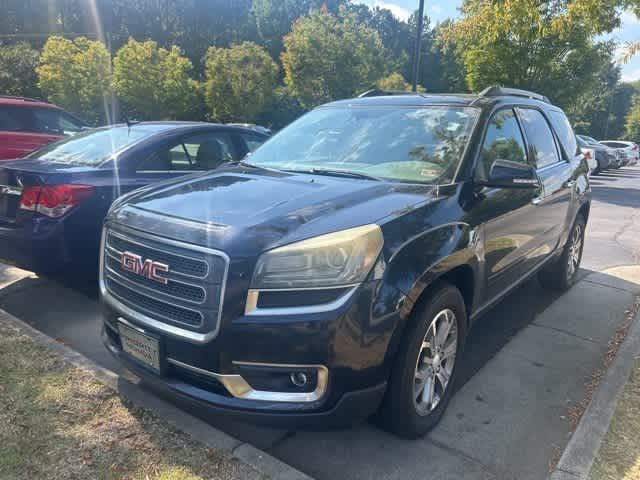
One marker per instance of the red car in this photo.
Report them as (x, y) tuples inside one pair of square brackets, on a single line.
[(27, 124)]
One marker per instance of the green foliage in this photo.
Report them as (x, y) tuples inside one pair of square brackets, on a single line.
[(547, 47), (395, 81), (76, 75), (154, 83), (327, 57), (239, 82), (283, 110), (18, 64), (275, 18), (632, 124)]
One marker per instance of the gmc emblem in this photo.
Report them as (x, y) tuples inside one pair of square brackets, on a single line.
[(147, 268)]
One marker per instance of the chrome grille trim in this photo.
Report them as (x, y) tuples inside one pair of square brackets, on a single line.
[(187, 334), (151, 293), (169, 277), (177, 244)]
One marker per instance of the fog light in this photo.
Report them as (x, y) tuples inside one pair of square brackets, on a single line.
[(299, 379)]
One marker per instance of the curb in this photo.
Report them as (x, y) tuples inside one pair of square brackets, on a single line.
[(580, 453), (201, 431)]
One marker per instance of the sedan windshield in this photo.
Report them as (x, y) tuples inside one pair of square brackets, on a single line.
[(95, 146), (415, 144)]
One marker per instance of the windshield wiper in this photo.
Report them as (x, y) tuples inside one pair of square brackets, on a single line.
[(337, 173)]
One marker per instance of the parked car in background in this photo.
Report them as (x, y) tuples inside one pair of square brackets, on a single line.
[(27, 124), (628, 150), (606, 157), (52, 203), (338, 269)]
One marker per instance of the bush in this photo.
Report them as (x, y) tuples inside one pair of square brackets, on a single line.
[(395, 81), (154, 83), (76, 75), (18, 70), (240, 82)]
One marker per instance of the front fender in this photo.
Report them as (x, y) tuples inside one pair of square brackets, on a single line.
[(428, 256)]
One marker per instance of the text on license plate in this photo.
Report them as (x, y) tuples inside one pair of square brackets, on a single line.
[(140, 346)]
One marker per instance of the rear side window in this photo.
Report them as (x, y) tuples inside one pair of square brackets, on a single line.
[(15, 119), (565, 133), (503, 141), (38, 120), (542, 145)]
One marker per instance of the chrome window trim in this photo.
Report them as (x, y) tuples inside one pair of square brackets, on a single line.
[(253, 295), (237, 386), (177, 332)]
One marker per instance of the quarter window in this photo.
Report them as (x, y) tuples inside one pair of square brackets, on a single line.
[(542, 146), (503, 141)]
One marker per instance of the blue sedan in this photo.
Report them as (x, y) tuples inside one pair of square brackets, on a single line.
[(53, 202)]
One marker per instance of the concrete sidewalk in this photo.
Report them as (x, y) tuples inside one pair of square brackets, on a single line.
[(511, 418)]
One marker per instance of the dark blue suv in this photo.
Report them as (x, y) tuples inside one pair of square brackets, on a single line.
[(336, 270)]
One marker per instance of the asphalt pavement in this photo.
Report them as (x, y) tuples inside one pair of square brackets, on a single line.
[(526, 365)]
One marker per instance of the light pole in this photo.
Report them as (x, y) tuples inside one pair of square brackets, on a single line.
[(416, 50)]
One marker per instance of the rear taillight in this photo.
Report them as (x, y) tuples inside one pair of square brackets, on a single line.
[(587, 154), (54, 200)]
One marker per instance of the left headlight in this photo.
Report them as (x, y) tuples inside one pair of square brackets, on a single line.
[(340, 258)]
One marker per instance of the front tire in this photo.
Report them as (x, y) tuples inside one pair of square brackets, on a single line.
[(426, 365), (561, 274)]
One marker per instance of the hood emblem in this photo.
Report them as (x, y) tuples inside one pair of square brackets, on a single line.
[(146, 268)]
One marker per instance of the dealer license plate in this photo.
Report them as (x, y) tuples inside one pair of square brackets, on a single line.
[(140, 346)]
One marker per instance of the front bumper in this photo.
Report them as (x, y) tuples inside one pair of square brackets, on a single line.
[(208, 401)]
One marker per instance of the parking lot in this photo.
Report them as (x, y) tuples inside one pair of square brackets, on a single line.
[(525, 369)]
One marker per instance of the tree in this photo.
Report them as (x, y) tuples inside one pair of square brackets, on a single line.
[(18, 64), (275, 18), (632, 125), (395, 81), (76, 75), (327, 57), (543, 46), (239, 82), (153, 83)]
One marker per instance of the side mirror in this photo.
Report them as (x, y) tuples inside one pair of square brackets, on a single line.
[(510, 174)]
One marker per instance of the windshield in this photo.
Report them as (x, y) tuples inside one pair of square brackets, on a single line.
[(415, 144), (94, 146)]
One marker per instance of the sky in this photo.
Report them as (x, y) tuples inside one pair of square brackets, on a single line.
[(442, 9)]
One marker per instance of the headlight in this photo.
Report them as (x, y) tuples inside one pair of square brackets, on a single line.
[(335, 259)]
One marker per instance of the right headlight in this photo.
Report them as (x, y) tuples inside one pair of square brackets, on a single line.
[(336, 259)]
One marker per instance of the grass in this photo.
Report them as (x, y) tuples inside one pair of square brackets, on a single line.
[(59, 423), (619, 455)]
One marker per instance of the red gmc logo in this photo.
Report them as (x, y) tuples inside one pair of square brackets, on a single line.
[(147, 268)]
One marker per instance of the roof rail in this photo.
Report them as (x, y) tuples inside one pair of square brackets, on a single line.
[(514, 92), (379, 92), (26, 99)]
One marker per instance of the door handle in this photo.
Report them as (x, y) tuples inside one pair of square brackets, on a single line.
[(537, 200)]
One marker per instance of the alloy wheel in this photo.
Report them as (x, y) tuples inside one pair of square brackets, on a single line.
[(435, 362), (575, 251)]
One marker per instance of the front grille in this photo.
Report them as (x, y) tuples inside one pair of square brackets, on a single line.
[(192, 296)]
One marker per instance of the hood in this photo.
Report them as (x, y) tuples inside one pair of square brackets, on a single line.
[(242, 210)]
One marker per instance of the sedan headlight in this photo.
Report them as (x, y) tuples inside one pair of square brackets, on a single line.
[(335, 259)]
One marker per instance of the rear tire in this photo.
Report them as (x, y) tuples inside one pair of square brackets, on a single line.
[(561, 274), (425, 369)]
